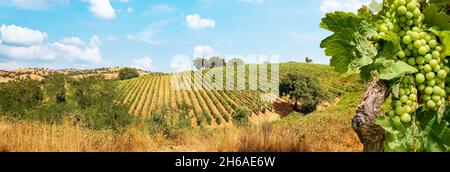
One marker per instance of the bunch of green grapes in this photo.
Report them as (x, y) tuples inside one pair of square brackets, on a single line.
[(406, 102), (419, 49)]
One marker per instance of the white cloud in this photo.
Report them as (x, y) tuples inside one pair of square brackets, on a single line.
[(34, 52), (302, 36), (342, 5), (204, 51), (181, 63), (102, 9), (72, 41), (12, 34), (162, 8), (130, 10), (148, 34), (26, 44), (145, 63), (252, 1), (86, 53), (33, 4), (196, 22), (111, 38)]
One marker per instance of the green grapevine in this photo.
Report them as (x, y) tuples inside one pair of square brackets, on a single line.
[(421, 50), (402, 45)]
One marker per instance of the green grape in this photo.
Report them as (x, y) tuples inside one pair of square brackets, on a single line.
[(411, 6), (442, 74), (420, 78), (406, 118), (430, 75), (433, 43), (431, 104), (422, 50), (428, 90)]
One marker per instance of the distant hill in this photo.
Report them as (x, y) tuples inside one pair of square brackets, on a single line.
[(42, 73)]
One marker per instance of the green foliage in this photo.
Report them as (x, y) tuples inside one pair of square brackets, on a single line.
[(235, 62), (402, 47), (428, 135), (90, 102), (348, 46), (97, 99), (304, 89), (128, 73), (17, 97), (241, 117), (55, 88), (435, 18), (213, 62), (158, 121)]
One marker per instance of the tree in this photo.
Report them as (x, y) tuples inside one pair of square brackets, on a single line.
[(235, 62), (55, 87), (215, 62), (128, 73), (97, 97), (308, 60), (200, 63), (302, 89), (20, 96)]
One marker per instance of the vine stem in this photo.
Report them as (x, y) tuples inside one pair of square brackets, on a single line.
[(371, 135)]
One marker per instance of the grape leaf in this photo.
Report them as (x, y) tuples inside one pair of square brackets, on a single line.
[(394, 69), (435, 18), (396, 90), (365, 13), (349, 46), (435, 135), (391, 46), (441, 4), (398, 138)]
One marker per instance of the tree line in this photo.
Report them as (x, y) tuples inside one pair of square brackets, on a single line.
[(215, 62)]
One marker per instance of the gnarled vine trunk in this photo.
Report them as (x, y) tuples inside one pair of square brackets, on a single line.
[(371, 135)]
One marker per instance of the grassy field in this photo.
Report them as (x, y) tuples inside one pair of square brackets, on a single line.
[(322, 131), (328, 129)]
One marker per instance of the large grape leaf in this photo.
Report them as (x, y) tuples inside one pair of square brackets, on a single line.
[(393, 69), (349, 46), (435, 134), (441, 4), (434, 18), (398, 137)]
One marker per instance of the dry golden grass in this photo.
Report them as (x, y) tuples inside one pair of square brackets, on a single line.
[(328, 130), (35, 137)]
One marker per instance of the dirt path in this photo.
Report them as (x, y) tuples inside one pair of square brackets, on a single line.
[(282, 107)]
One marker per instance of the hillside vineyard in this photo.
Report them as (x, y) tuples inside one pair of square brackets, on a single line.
[(158, 93)]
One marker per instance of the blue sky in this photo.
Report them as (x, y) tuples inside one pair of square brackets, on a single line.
[(147, 34)]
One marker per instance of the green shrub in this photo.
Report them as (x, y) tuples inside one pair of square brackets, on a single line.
[(128, 73), (18, 97), (304, 90), (241, 116)]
